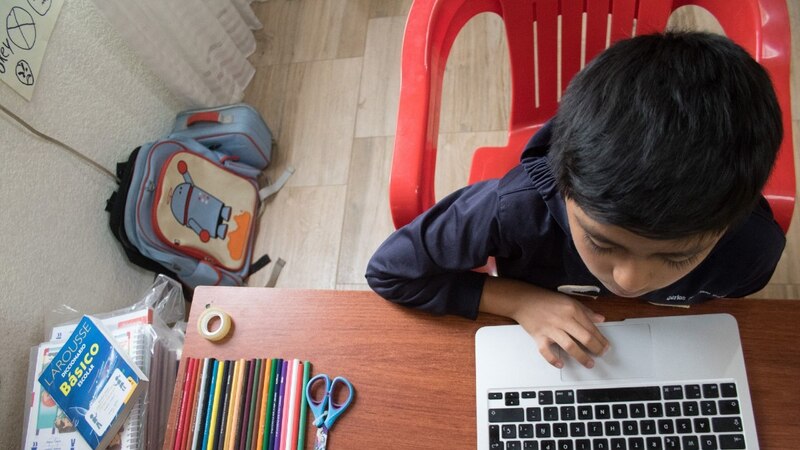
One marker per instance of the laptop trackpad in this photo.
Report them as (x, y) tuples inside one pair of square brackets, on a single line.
[(630, 355)]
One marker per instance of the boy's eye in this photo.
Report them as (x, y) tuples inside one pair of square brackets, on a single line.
[(681, 264), (597, 248)]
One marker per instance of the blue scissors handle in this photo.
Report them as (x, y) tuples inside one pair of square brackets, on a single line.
[(326, 410)]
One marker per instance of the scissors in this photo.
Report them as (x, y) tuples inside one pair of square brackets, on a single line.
[(326, 410)]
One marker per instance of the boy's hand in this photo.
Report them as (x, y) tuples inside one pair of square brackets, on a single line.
[(549, 317)]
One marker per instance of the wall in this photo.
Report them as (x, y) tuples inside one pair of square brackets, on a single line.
[(93, 94)]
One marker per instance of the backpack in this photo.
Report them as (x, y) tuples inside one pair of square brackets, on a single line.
[(187, 205)]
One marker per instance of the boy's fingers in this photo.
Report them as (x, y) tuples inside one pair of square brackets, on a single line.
[(546, 350), (574, 350), (598, 344), (591, 339)]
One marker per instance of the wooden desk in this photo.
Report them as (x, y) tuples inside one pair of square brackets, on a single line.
[(415, 374)]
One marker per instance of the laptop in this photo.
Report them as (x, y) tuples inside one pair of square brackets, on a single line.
[(665, 383)]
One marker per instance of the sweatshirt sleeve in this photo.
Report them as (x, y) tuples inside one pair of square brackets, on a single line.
[(428, 263)]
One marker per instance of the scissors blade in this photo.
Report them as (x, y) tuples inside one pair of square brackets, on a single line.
[(322, 439)]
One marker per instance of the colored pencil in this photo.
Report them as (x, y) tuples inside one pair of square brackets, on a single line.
[(276, 407), (291, 443), (212, 430), (248, 437), (264, 400), (223, 410), (199, 425), (242, 438), (285, 408), (183, 408), (259, 403), (281, 400), (270, 404), (210, 406), (301, 438), (291, 393), (233, 419), (198, 386), (190, 404), (241, 406)]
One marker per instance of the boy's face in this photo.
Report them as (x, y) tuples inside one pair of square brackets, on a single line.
[(630, 265)]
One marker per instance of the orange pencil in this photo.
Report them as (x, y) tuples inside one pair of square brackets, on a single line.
[(262, 408)]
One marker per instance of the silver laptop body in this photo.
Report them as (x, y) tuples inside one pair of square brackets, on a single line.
[(647, 353)]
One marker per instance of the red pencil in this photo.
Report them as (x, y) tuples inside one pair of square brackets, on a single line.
[(198, 369), (179, 432)]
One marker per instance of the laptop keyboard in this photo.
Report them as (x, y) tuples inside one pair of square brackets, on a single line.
[(689, 416)]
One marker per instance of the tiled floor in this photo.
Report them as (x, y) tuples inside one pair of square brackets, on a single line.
[(327, 82)]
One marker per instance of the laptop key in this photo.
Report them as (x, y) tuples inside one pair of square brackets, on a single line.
[(708, 442), (549, 445), (618, 444), (595, 429), (648, 426), (728, 389), (683, 426), (728, 407), (654, 410), (637, 410), (512, 398), (630, 428), (494, 433), (567, 413), (619, 411), (585, 412), (731, 441), (577, 429), (564, 445), (534, 414), (672, 443), (543, 430), (693, 391), (525, 431), (673, 409), (600, 444), (665, 426), (506, 415), (530, 445), (654, 443), (565, 397), (711, 390), (508, 431), (691, 409), (673, 392), (612, 428), (701, 426), (513, 445), (528, 394), (690, 443), (495, 395), (551, 413), (583, 444), (726, 424), (546, 397), (636, 444), (708, 407), (560, 430), (602, 412)]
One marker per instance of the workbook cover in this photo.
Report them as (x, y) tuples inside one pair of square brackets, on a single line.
[(94, 382)]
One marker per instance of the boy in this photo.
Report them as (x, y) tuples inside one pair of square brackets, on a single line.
[(645, 184)]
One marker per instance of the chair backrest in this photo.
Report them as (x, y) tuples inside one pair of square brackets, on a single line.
[(539, 74)]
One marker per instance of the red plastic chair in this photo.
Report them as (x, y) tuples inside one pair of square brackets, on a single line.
[(760, 26)]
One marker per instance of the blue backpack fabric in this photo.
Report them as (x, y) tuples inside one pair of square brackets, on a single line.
[(188, 204)]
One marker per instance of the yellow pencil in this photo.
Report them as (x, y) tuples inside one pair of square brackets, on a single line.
[(235, 405), (213, 425), (231, 412)]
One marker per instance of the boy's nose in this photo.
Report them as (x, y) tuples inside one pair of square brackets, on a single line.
[(631, 277)]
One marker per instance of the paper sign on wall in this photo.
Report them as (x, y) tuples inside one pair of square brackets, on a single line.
[(25, 28)]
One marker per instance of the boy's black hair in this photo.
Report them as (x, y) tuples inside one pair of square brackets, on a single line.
[(667, 135)]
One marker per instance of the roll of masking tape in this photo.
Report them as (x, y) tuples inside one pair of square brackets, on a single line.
[(225, 323)]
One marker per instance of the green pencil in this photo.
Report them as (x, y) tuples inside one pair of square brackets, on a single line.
[(301, 434), (268, 417)]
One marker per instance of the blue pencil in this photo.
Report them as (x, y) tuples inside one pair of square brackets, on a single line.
[(281, 394), (210, 404)]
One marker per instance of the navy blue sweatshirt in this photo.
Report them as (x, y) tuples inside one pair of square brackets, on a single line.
[(521, 220)]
